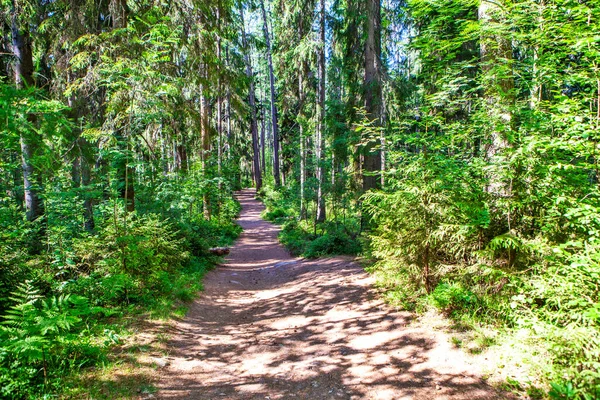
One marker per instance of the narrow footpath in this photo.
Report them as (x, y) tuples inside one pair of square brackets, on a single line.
[(270, 326)]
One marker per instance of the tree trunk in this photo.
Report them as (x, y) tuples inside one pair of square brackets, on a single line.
[(372, 94), (495, 51), (219, 100), (228, 110), (88, 210), (320, 131), (205, 139), (23, 69), (274, 118), (118, 13), (302, 98), (263, 144), (252, 101), (536, 90)]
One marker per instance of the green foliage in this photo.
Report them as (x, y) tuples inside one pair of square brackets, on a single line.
[(434, 218), (488, 211), (491, 201), (130, 264), (42, 339), (304, 238), (452, 297)]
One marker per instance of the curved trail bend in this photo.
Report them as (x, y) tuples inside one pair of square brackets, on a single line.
[(270, 326)]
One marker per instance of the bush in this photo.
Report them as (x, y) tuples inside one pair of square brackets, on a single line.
[(454, 298), (435, 217), (335, 240)]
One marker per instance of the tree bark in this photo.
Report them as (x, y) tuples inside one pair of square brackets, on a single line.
[(372, 94), (88, 210), (219, 99), (263, 144), (320, 131), (205, 139), (23, 74), (118, 13), (252, 101), (274, 118), (125, 173), (301, 97), (228, 110), (496, 50)]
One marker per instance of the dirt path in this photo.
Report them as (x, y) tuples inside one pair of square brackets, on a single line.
[(269, 326)]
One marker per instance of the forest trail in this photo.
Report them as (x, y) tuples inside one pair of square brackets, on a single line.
[(270, 326)]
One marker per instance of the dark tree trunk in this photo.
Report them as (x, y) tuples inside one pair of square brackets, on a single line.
[(274, 117), (125, 173), (81, 176), (33, 204), (204, 134), (219, 99), (372, 94), (252, 101), (320, 131), (302, 97), (263, 144), (118, 13), (88, 211), (23, 70)]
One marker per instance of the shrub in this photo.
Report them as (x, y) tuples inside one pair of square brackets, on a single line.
[(453, 297), (335, 240)]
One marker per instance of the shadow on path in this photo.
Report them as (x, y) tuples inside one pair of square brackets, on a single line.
[(269, 326)]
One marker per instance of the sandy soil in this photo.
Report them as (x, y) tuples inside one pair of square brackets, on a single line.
[(270, 326)]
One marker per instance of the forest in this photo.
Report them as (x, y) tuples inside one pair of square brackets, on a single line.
[(451, 144)]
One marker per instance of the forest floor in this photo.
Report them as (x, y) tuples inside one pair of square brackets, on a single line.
[(270, 326)]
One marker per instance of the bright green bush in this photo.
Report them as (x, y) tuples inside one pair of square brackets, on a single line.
[(435, 216), (453, 297)]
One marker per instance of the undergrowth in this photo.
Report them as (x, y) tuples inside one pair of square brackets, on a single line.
[(65, 311), (303, 237), (441, 242)]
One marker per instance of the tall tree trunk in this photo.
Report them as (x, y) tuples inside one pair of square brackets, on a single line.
[(495, 52), (205, 139), (88, 210), (252, 101), (81, 176), (536, 90), (274, 118), (372, 94), (320, 131), (118, 13), (23, 69), (228, 110), (219, 99), (263, 144), (302, 96)]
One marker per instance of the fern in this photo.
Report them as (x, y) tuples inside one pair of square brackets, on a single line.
[(35, 329)]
